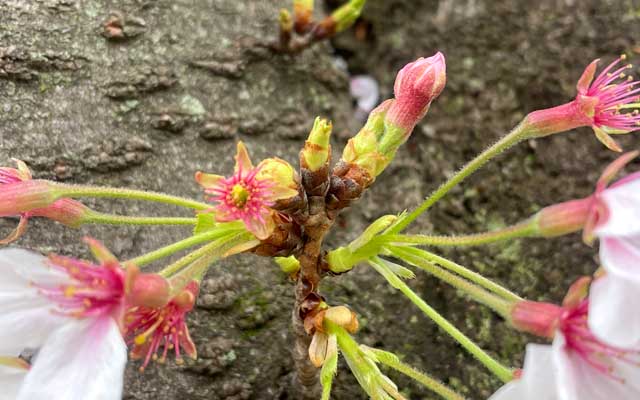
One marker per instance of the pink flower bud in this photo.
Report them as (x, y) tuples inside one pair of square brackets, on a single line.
[(540, 319), (417, 84)]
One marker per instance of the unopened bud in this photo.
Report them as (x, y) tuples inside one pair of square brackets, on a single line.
[(416, 86), (363, 149), (346, 15), (317, 149), (288, 265), (303, 13)]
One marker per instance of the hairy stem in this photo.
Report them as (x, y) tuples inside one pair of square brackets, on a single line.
[(477, 293), (111, 219), (516, 135), (464, 272), (522, 229), (73, 191), (392, 361), (176, 247), (502, 372)]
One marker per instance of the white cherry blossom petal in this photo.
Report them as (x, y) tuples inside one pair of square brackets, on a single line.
[(579, 380), (623, 205), (26, 317), (614, 315), (83, 359), (538, 381), (10, 381), (621, 255)]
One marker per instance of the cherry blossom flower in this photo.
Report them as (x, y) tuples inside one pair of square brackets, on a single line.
[(71, 310), (609, 104), (18, 191), (148, 328), (612, 214), (615, 219), (247, 195), (578, 365)]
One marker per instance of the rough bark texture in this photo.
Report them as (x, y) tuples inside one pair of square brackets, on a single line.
[(174, 87)]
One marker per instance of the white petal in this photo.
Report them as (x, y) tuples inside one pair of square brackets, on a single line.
[(26, 327), (578, 380), (83, 359), (538, 381), (22, 266), (514, 390), (621, 255), (10, 381), (614, 311), (25, 316), (623, 204)]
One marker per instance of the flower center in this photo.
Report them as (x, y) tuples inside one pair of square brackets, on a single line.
[(240, 195), (580, 340)]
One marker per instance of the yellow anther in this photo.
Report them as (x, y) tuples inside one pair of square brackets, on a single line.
[(69, 291), (623, 56), (140, 339)]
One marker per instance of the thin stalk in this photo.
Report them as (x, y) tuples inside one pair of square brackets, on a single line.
[(516, 135), (503, 373), (73, 191), (176, 247), (392, 361), (465, 272), (477, 293), (193, 256), (525, 228), (111, 219)]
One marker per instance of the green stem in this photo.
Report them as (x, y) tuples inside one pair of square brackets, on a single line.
[(72, 191), (516, 135), (464, 272), (523, 229), (477, 293), (392, 361), (111, 219), (191, 257), (176, 247), (502, 372)]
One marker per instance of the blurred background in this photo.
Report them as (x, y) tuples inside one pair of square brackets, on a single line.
[(182, 81)]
